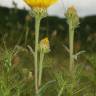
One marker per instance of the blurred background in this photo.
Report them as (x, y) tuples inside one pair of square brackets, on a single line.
[(15, 22)]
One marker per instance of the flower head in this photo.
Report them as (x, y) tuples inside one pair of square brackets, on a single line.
[(44, 45), (72, 16), (40, 3)]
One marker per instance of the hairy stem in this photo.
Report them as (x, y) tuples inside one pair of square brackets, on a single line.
[(41, 67), (37, 25), (71, 45)]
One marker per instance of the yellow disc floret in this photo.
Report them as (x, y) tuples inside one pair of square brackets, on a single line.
[(45, 41)]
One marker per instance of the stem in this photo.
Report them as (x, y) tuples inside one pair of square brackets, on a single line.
[(37, 25), (41, 67), (31, 50), (71, 45), (27, 30)]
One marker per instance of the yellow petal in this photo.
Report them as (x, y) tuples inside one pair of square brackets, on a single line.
[(40, 3)]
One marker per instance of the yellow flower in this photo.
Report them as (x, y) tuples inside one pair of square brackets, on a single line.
[(40, 3), (45, 41), (44, 45)]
